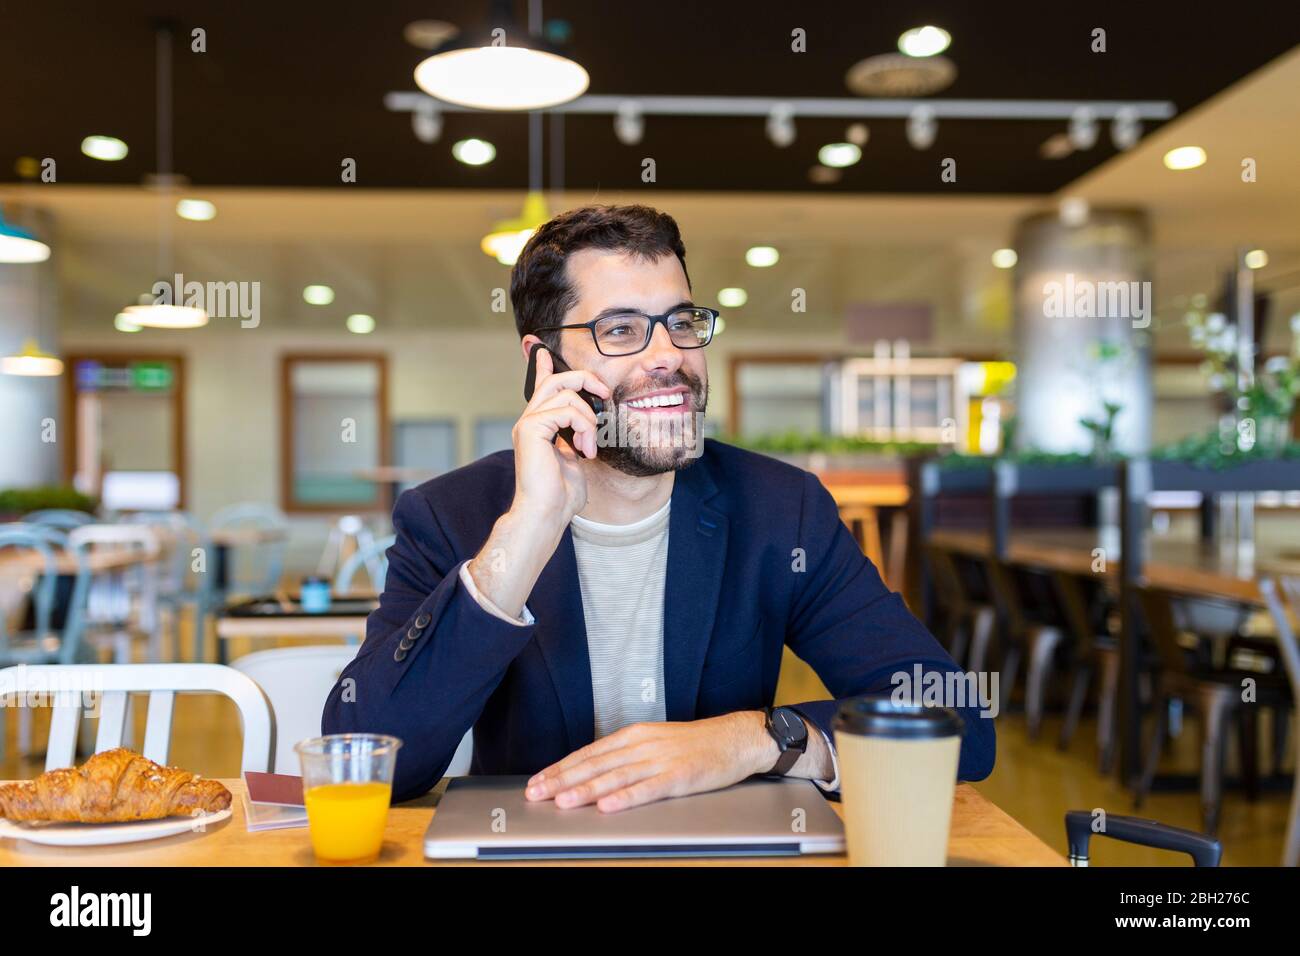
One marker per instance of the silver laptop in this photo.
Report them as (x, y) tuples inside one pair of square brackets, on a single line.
[(487, 818)]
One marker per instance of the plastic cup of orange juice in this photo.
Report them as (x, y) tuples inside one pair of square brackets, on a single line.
[(347, 784)]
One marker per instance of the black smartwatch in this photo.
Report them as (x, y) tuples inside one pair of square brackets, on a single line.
[(791, 735)]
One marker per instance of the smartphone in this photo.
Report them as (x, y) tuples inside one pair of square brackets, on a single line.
[(558, 365)]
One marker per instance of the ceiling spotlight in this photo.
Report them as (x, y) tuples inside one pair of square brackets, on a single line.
[(1125, 128), (124, 323), (108, 148), (196, 210), (1074, 211), (922, 128), (1005, 258), (780, 125), (474, 152), (318, 295), (760, 257), (924, 41), (823, 175), (857, 134), (1083, 128), (732, 297), (1185, 157), (361, 324), (1256, 259), (426, 122), (629, 123), (839, 155)]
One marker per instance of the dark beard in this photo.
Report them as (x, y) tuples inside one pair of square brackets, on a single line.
[(641, 460)]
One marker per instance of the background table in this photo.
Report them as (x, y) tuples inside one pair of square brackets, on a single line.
[(981, 835)]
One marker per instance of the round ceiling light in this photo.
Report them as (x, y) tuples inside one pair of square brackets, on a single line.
[(839, 155), (501, 78), (108, 148), (895, 74), (1185, 157), (924, 41), (20, 246), (474, 152)]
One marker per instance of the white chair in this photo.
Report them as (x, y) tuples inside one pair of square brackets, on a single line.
[(297, 680), (68, 687), (1290, 648), (123, 603)]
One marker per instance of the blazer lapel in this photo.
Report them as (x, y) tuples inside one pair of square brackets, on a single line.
[(697, 550), (556, 603)]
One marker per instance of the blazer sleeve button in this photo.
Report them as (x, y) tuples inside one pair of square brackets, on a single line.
[(399, 655), (422, 621)]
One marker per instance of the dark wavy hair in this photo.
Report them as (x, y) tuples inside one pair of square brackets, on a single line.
[(540, 290)]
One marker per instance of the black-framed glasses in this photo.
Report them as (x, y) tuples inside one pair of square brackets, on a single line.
[(626, 333)]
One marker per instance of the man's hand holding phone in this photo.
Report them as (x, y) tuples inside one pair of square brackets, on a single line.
[(550, 487)]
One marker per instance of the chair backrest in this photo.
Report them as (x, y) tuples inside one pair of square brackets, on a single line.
[(107, 601), (261, 565), (43, 540), (374, 557), (1278, 595), (248, 514), (69, 687), (1204, 850), (1158, 612), (31, 538), (64, 518), (297, 680)]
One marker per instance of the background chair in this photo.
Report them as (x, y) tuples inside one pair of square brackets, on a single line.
[(1215, 694), (257, 566), (69, 685), (1204, 850), (968, 621), (297, 680), (123, 604), (179, 585), (374, 558), (65, 519), (1282, 597)]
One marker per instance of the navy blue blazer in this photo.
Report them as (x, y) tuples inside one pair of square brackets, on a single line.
[(757, 559)]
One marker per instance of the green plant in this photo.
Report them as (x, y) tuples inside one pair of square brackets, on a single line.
[(1263, 403), (21, 501), (804, 443), (1102, 429)]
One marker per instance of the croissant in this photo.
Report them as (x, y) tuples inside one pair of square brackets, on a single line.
[(112, 787)]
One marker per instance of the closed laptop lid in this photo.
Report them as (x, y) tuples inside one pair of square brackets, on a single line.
[(487, 817)]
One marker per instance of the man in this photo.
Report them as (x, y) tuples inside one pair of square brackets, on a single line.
[(608, 614)]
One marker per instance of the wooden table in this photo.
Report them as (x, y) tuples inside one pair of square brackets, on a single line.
[(99, 560), (1187, 567), (981, 835)]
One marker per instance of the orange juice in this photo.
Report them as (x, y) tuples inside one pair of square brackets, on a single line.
[(347, 820)]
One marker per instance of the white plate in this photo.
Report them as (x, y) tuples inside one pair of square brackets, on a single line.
[(106, 834)]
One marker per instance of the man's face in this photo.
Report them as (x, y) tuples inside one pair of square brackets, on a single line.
[(648, 438)]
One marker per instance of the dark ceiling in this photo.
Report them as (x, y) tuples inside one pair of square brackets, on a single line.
[(287, 89)]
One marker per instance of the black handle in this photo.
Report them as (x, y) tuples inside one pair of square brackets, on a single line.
[(1204, 850)]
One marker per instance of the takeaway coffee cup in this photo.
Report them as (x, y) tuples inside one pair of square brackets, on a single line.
[(898, 769)]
